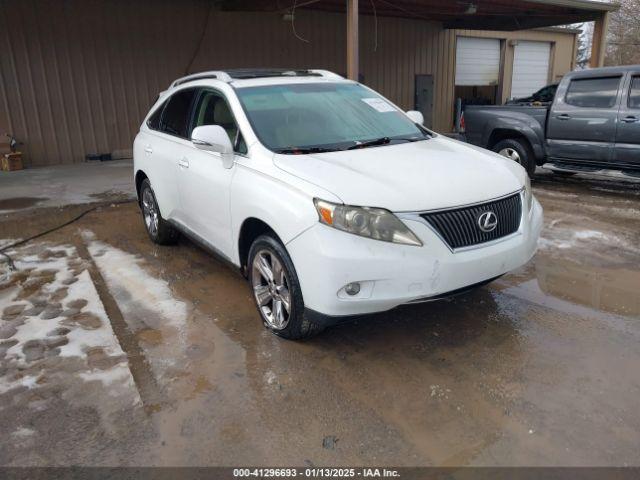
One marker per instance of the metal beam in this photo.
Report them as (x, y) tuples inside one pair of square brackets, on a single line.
[(599, 41), (352, 40)]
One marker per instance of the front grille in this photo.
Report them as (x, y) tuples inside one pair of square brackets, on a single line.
[(459, 226)]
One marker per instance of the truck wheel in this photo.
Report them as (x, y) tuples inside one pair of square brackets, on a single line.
[(160, 231), (518, 151), (276, 290)]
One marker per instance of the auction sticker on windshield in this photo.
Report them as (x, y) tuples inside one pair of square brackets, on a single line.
[(379, 104)]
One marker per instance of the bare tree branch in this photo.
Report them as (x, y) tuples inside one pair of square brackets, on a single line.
[(624, 35)]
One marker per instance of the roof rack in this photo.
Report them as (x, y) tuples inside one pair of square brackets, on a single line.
[(217, 74), (246, 73)]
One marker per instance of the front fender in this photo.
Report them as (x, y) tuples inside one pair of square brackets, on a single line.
[(285, 208)]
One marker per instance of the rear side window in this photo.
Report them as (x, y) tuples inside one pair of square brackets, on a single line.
[(634, 93), (593, 92), (175, 116)]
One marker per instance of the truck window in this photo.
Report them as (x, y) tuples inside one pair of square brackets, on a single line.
[(593, 92), (634, 93)]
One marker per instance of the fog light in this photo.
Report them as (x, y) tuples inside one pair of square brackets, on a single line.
[(352, 288)]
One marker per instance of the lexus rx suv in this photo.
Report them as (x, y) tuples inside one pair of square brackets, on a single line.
[(331, 200)]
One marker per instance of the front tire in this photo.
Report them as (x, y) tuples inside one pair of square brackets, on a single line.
[(276, 290), (159, 230), (519, 151)]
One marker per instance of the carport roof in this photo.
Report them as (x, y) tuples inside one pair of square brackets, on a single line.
[(471, 14)]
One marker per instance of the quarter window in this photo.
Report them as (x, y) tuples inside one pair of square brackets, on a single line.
[(154, 120), (175, 117), (593, 92), (634, 93)]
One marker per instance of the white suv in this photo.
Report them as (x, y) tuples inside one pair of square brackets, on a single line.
[(331, 200)]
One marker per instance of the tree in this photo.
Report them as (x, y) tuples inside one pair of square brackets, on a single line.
[(583, 52), (623, 39)]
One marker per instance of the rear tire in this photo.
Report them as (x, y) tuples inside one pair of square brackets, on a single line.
[(519, 151), (159, 230), (276, 290)]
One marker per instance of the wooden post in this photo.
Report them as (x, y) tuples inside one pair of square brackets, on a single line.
[(352, 40), (599, 41)]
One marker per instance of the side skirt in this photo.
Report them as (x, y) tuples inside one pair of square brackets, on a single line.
[(205, 245)]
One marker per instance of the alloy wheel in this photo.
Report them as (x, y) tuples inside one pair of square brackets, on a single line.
[(150, 212), (271, 289), (511, 154)]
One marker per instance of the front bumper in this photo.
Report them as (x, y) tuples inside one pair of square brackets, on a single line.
[(326, 260)]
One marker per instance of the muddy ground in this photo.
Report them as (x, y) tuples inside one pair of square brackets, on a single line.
[(114, 351)]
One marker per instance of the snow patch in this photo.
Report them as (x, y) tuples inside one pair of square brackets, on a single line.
[(589, 234), (23, 432), (29, 382), (565, 238), (80, 339), (126, 278), (4, 242), (70, 282), (117, 375)]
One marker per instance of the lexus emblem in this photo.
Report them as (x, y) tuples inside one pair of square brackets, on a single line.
[(487, 221)]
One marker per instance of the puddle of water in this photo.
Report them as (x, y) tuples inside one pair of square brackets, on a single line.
[(18, 203), (589, 288), (612, 290)]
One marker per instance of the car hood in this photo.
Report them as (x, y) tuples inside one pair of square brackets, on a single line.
[(432, 174)]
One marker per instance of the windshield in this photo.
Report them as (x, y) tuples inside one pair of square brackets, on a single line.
[(545, 94), (315, 117)]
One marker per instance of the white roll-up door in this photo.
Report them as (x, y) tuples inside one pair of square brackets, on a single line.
[(530, 67), (477, 61)]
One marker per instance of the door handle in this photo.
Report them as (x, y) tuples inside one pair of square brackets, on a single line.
[(563, 116), (148, 149), (629, 119), (184, 163)]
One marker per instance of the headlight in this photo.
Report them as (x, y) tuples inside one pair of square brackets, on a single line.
[(528, 194), (375, 223)]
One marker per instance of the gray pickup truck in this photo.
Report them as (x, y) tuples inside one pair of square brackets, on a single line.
[(592, 124)]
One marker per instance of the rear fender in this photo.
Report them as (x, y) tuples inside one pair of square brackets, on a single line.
[(521, 125)]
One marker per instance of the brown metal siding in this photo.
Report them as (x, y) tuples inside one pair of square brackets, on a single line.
[(78, 76)]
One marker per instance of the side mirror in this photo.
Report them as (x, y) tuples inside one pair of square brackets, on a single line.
[(415, 117), (214, 138)]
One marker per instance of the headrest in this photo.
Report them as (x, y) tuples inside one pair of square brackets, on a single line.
[(221, 113)]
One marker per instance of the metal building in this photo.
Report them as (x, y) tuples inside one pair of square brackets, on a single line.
[(77, 76)]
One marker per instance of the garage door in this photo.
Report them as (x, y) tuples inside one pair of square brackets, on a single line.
[(530, 68), (477, 61)]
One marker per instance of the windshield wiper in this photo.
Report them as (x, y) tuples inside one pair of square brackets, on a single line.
[(304, 150), (370, 143), (411, 139)]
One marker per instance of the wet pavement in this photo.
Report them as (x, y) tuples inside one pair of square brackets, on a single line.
[(114, 351)]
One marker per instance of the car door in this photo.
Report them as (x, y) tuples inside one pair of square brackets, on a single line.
[(204, 181), (164, 146), (582, 122), (627, 147)]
